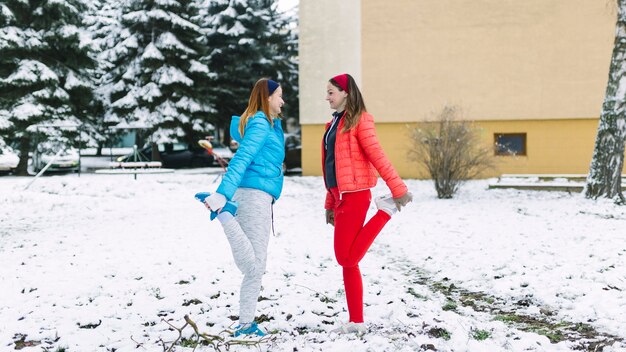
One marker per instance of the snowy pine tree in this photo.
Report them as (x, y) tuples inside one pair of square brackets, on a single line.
[(247, 40), (103, 24), (605, 173), (45, 58), (281, 45), (156, 78)]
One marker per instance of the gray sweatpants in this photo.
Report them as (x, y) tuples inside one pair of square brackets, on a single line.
[(248, 234)]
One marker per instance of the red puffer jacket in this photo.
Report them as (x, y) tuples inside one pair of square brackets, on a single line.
[(358, 155)]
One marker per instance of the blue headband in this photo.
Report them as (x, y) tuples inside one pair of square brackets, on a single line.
[(271, 86)]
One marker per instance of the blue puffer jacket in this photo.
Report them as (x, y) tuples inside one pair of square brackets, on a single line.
[(258, 163)]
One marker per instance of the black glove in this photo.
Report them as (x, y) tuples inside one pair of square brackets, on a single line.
[(330, 217)]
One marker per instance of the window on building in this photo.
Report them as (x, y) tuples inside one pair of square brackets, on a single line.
[(510, 143)]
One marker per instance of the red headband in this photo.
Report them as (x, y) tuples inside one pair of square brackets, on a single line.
[(342, 81)]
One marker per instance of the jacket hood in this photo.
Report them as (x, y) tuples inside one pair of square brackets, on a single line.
[(234, 128), (234, 125)]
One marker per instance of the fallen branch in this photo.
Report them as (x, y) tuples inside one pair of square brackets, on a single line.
[(180, 334), (217, 342), (139, 344)]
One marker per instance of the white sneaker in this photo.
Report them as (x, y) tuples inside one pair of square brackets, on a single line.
[(350, 328), (386, 204)]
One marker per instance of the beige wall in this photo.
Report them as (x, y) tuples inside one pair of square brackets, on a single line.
[(498, 59), (330, 43)]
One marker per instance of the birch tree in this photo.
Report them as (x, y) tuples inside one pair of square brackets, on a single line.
[(605, 172)]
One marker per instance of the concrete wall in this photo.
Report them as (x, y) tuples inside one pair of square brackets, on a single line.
[(330, 44)]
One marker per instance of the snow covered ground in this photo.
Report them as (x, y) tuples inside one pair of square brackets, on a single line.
[(97, 262)]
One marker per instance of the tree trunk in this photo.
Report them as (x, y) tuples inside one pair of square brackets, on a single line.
[(22, 166), (605, 172)]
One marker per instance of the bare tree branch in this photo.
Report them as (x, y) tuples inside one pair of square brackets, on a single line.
[(450, 149)]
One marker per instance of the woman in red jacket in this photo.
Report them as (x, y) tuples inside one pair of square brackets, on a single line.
[(351, 158)]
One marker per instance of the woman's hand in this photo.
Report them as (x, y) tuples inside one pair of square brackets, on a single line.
[(403, 200), (330, 217), (215, 201)]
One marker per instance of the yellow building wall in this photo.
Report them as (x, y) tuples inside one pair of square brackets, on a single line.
[(553, 146), (497, 59)]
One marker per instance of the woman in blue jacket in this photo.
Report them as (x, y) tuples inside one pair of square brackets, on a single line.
[(243, 201)]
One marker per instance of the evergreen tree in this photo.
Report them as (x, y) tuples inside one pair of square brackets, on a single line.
[(156, 79), (45, 58), (282, 46), (605, 173), (103, 24), (247, 40)]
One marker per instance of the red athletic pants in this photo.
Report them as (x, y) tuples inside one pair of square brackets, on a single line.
[(352, 240)]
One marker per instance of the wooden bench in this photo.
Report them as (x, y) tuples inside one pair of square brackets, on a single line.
[(135, 164)]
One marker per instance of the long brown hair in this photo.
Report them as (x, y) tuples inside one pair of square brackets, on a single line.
[(259, 101), (355, 105)]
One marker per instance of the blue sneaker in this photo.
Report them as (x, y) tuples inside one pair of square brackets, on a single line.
[(230, 206), (248, 330)]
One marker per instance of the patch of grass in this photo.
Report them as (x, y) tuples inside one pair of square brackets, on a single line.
[(555, 336), (193, 301), (439, 333), (480, 335), (192, 343), (412, 292), (550, 330), (325, 299), (584, 329), (450, 305), (438, 286), (468, 303), (90, 325), (22, 343), (263, 318), (164, 313), (585, 335), (185, 342), (157, 293), (508, 318)]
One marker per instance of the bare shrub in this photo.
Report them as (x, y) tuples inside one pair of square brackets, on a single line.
[(450, 149)]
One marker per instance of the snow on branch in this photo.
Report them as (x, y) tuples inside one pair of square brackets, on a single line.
[(169, 41), (167, 75), (152, 52), (30, 72)]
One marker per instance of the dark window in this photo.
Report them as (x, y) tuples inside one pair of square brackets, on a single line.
[(510, 143)]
